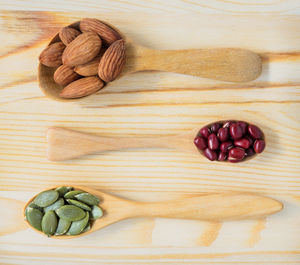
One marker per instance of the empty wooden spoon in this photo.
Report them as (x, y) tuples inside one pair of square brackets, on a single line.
[(226, 64), (64, 144), (212, 207)]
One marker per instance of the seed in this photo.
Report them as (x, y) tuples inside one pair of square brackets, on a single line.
[(236, 154), (227, 124), (243, 125), (200, 142), (49, 223), (62, 190), (250, 152), (63, 226), (235, 131), (87, 198), (210, 154), (215, 127), (244, 143), (226, 146), (259, 146), (204, 132), (254, 131), (34, 217), (222, 156), (87, 228), (96, 212), (70, 213), (77, 226), (59, 203), (250, 139), (32, 205), (79, 204), (46, 198), (223, 134), (71, 194), (213, 142)]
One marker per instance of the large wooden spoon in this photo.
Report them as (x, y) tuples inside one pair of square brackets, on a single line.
[(213, 207), (226, 64)]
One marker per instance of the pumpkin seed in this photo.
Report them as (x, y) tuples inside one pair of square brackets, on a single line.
[(77, 227), (54, 206), (96, 212), (62, 190), (79, 204), (71, 194), (49, 223), (87, 228), (62, 227), (34, 217), (87, 198), (32, 205), (70, 213), (46, 198)]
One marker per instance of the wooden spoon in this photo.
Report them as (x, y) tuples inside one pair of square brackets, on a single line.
[(226, 64), (64, 144), (213, 207)]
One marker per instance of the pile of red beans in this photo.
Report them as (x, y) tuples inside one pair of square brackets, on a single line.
[(230, 140)]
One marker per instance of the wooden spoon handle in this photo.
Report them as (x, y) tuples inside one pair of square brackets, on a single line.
[(64, 144), (214, 207), (227, 64)]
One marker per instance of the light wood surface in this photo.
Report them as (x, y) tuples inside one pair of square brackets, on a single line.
[(154, 104)]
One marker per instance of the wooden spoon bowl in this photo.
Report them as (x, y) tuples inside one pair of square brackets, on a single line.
[(215, 207), (226, 64)]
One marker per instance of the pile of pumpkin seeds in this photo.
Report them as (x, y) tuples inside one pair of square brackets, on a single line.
[(63, 211)]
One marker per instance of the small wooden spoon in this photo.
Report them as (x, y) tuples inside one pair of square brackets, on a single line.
[(65, 144), (213, 207), (226, 64)]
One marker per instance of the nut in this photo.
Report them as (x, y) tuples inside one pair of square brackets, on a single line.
[(68, 34), (52, 55), (64, 75), (82, 50), (112, 61)]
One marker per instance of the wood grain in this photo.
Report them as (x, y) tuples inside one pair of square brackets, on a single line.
[(155, 104)]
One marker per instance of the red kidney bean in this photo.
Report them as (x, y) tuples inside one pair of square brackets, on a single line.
[(200, 142), (222, 156), (236, 131), (259, 146), (250, 139), (227, 124), (254, 131), (223, 134), (243, 125), (244, 143), (210, 154), (213, 142), (215, 127), (224, 147), (204, 132), (236, 153), (250, 152)]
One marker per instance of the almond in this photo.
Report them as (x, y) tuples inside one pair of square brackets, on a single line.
[(82, 50), (107, 34), (64, 75), (52, 55), (82, 87), (112, 61), (68, 34)]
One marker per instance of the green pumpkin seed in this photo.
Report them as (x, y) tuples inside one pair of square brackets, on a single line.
[(34, 217), (70, 213), (54, 206), (87, 198), (71, 194), (87, 228), (32, 205), (96, 212), (77, 227), (62, 227), (62, 190), (79, 204), (46, 198), (49, 223)]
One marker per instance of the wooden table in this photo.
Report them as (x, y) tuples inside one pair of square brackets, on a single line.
[(154, 103)]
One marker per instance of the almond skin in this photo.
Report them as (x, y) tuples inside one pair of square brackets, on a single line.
[(107, 34), (52, 55), (68, 34), (82, 50), (88, 69), (112, 61), (82, 87), (64, 75)]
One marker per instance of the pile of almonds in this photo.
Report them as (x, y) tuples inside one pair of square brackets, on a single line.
[(86, 58)]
